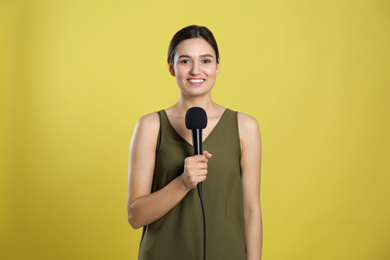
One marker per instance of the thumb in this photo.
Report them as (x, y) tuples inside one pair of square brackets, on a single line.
[(207, 154)]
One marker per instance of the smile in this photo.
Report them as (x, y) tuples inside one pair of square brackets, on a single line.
[(196, 80)]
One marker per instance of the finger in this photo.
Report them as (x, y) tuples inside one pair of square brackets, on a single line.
[(201, 166), (197, 173), (201, 172), (207, 154), (201, 178), (195, 165), (200, 158), (193, 160)]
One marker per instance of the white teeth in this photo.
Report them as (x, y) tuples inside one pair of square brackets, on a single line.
[(196, 80)]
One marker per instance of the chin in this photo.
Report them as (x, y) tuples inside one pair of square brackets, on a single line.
[(196, 93)]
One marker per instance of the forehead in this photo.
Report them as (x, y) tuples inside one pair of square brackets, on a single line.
[(194, 47)]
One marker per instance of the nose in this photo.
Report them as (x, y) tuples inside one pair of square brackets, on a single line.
[(195, 69)]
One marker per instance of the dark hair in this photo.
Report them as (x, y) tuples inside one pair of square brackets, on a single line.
[(189, 32)]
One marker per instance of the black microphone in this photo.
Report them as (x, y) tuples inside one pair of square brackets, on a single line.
[(196, 120)]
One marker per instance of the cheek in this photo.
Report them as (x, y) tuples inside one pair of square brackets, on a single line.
[(181, 72), (214, 71)]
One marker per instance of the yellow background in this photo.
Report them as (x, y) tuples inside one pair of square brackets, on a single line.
[(76, 75)]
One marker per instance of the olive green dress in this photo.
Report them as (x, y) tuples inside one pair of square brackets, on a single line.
[(179, 234)]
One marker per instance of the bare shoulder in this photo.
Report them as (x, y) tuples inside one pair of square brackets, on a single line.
[(149, 121), (147, 129), (247, 124), (250, 139)]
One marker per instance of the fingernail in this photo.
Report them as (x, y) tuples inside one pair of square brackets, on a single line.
[(210, 154)]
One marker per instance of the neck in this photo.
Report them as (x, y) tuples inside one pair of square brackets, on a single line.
[(204, 102)]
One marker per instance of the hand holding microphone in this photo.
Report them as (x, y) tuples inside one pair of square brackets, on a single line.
[(196, 121), (195, 169)]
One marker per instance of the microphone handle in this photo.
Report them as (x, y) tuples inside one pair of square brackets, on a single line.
[(197, 144), (197, 141)]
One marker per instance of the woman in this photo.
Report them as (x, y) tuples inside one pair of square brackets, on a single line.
[(163, 175)]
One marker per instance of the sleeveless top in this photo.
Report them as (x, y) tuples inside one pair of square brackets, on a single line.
[(178, 235)]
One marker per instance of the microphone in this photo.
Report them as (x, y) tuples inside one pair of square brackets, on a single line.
[(196, 120)]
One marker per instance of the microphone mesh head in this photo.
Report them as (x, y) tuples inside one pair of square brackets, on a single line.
[(196, 118)]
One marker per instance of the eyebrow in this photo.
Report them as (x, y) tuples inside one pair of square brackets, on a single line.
[(202, 56)]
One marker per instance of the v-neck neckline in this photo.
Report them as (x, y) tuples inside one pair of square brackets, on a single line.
[(183, 139)]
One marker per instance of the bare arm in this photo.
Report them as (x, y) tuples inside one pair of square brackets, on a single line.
[(251, 171), (144, 207)]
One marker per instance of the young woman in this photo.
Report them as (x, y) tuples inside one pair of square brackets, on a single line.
[(162, 196)]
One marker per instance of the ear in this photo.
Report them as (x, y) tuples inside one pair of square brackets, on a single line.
[(171, 68), (218, 67)]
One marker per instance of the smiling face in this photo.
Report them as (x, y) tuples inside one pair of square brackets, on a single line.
[(195, 67)]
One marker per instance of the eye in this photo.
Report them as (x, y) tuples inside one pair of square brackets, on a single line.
[(185, 61), (206, 61)]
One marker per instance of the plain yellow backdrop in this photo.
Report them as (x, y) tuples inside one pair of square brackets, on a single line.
[(76, 75)]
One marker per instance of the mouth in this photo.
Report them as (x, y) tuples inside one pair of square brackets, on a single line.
[(196, 81)]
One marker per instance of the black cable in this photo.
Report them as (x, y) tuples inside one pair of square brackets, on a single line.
[(204, 219)]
